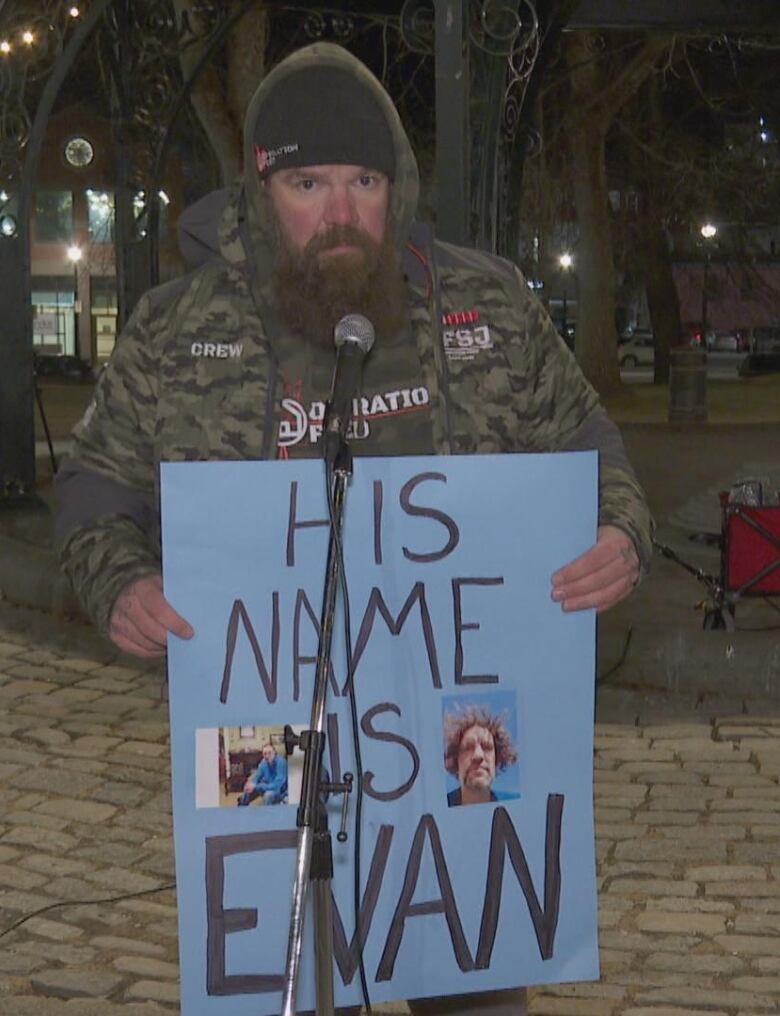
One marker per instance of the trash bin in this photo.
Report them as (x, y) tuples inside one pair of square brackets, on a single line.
[(687, 385)]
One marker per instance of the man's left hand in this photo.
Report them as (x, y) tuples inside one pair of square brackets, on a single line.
[(602, 576)]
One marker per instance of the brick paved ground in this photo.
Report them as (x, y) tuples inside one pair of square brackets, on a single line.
[(688, 818)]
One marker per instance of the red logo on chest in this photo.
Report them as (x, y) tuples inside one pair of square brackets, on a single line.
[(461, 317)]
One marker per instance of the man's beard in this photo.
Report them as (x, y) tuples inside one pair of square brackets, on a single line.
[(314, 292)]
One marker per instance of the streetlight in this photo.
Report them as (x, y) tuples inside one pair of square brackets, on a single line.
[(74, 254), (565, 261), (708, 232)]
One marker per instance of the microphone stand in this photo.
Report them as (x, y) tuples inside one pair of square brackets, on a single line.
[(314, 862)]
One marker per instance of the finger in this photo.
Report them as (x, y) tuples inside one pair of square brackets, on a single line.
[(599, 556), (128, 645), (123, 627), (594, 580), (136, 623), (157, 607), (169, 618), (602, 599), (151, 613)]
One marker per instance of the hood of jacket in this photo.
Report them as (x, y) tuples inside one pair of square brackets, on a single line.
[(236, 224)]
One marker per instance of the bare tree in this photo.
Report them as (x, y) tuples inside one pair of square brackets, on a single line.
[(599, 88), (226, 80)]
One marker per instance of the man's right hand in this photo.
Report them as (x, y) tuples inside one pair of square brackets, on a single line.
[(142, 618)]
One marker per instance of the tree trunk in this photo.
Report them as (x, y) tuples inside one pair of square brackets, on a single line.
[(216, 105), (662, 299), (596, 340)]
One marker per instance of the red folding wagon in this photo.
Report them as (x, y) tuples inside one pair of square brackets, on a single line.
[(749, 560)]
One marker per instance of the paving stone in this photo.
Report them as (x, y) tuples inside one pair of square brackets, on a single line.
[(549, 1006), (74, 696), (57, 931), (93, 744), (79, 764), (760, 924), (115, 943), (76, 983), (742, 890), (144, 966), (760, 985), (84, 666), (69, 888), (24, 902), (686, 905), (123, 854), (30, 685), (753, 945), (681, 924), (122, 880), (705, 833), (49, 736), (149, 748), (641, 888), (725, 872), (647, 849), (117, 705), (14, 875), (742, 1001), (702, 963), (125, 795), (67, 953), (78, 811), (30, 836), (15, 962), (158, 991), (742, 853), (665, 1010)]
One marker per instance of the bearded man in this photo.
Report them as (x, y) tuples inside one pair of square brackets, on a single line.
[(235, 360)]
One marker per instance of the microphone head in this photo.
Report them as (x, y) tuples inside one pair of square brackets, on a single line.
[(355, 329)]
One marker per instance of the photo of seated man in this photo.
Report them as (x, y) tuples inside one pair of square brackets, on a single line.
[(268, 781), (477, 746)]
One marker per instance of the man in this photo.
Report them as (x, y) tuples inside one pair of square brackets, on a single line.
[(477, 746), (268, 781), (235, 360)]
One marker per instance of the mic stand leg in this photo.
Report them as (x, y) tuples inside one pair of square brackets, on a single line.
[(314, 858)]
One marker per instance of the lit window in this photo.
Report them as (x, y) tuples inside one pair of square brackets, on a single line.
[(100, 216), (53, 216)]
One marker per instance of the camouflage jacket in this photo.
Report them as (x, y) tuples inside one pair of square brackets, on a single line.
[(197, 375)]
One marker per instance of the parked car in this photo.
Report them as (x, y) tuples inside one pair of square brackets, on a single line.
[(726, 342), (765, 339), (638, 350)]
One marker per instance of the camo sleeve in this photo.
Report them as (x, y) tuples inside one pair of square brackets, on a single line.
[(566, 415), (107, 492)]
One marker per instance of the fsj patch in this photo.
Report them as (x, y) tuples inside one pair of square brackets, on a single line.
[(465, 343)]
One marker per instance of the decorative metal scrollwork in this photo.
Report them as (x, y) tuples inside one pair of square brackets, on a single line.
[(315, 25), (32, 40), (328, 25), (417, 23)]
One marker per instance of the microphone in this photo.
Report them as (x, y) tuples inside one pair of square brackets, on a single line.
[(354, 337)]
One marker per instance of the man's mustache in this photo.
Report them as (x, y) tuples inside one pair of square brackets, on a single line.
[(341, 236)]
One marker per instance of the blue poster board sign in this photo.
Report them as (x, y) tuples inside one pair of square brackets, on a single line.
[(475, 704)]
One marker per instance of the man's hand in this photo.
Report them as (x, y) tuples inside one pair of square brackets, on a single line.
[(142, 618), (602, 576)]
